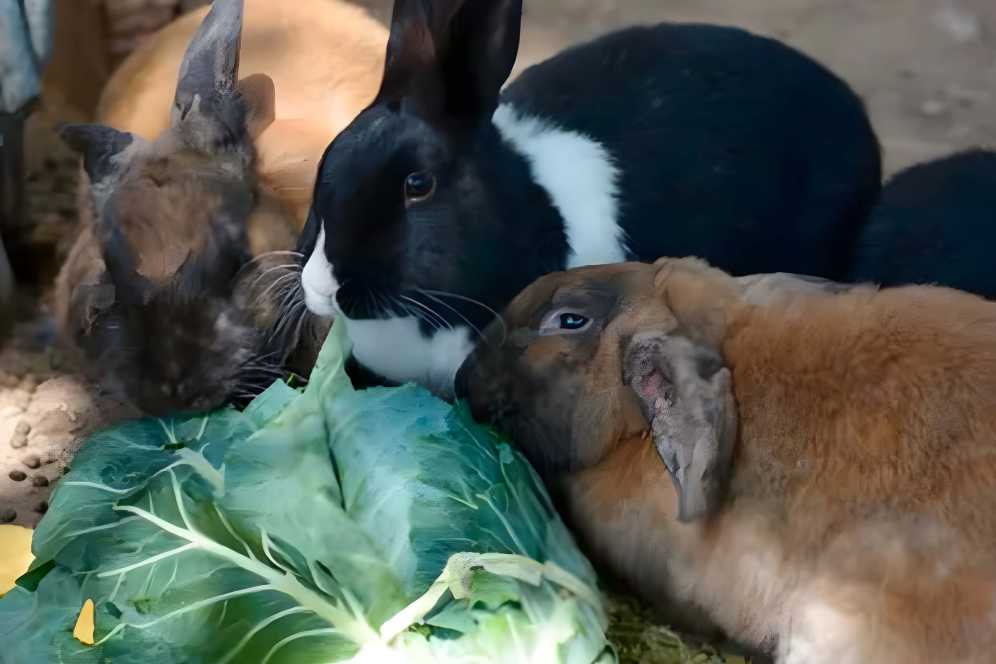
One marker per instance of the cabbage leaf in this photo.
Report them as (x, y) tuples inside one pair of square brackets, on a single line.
[(323, 525)]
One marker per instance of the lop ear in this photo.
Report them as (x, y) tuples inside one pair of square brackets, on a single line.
[(208, 107), (451, 57), (763, 289), (699, 295), (686, 394)]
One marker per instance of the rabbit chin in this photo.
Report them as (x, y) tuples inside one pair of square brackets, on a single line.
[(400, 351), (394, 348)]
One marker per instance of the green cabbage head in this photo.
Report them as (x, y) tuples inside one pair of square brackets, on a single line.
[(317, 526)]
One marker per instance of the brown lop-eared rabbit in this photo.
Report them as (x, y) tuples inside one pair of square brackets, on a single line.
[(197, 186), (809, 467)]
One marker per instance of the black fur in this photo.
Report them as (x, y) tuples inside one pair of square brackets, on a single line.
[(935, 222), (98, 145), (732, 147), (474, 240)]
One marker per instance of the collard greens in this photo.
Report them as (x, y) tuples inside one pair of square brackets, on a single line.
[(327, 525)]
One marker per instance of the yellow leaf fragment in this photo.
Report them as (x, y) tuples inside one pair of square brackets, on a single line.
[(15, 555), (84, 624)]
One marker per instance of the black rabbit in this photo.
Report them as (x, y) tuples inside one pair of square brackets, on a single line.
[(935, 222), (446, 197)]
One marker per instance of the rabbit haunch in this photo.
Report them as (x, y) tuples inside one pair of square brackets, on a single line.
[(579, 177)]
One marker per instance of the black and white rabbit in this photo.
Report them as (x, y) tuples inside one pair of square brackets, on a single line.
[(934, 222), (446, 197)]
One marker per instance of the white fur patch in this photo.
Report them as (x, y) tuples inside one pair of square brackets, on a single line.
[(581, 179), (396, 349), (821, 634), (317, 281)]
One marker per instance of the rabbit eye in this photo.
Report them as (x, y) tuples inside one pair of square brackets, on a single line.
[(419, 186), (572, 322), (564, 322)]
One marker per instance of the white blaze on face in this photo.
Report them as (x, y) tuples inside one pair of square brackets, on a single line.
[(320, 287)]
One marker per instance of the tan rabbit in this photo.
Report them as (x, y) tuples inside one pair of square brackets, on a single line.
[(325, 59), (178, 292), (810, 468)]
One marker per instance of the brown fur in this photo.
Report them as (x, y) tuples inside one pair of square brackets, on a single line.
[(859, 520), (325, 59), (177, 295)]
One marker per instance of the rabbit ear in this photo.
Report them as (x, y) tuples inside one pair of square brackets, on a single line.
[(451, 57), (104, 149), (259, 94), (484, 43), (106, 152), (130, 287), (412, 54), (686, 395), (207, 105)]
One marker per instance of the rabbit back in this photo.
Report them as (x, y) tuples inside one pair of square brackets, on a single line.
[(935, 222), (703, 140)]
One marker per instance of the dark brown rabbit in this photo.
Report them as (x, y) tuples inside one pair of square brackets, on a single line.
[(807, 466), (172, 289)]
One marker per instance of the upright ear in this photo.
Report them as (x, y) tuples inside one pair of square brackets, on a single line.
[(484, 42), (259, 94), (208, 107), (106, 152), (412, 49), (451, 56), (686, 394), (103, 148)]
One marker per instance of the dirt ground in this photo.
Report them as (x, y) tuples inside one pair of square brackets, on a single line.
[(926, 68)]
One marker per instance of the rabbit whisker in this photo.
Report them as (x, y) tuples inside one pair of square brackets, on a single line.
[(267, 271), (419, 315), (473, 327), (276, 282), (470, 300), (430, 310)]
